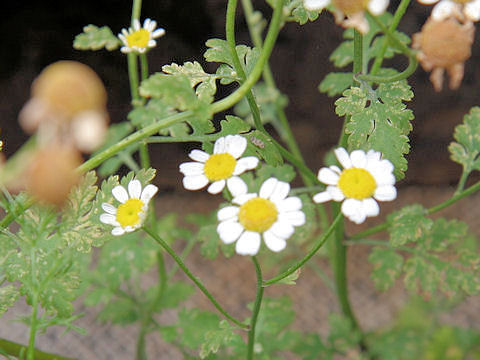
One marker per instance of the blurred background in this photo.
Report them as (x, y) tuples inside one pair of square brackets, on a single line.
[(35, 34)]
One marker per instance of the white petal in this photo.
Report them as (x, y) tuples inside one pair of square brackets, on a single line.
[(151, 43), (267, 188), (219, 147), (384, 178), (242, 199), (273, 242), (353, 210), (149, 24), (328, 176), (385, 193), (377, 7), (336, 169), (322, 197), (235, 145), (195, 182), (134, 189), (109, 219), (125, 49), (159, 32), (292, 203), (228, 212), (443, 10), (427, 2), (358, 158), (248, 243), (118, 231), (229, 231), (280, 192), (199, 155), (282, 229), (191, 168), (316, 4), (149, 192), (109, 209), (343, 158), (373, 156), (295, 218), (370, 207), (216, 187), (120, 193), (472, 10), (236, 186), (244, 164), (136, 24), (335, 193)]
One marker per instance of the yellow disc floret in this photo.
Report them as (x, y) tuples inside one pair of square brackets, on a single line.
[(357, 183), (219, 166), (138, 38), (128, 214), (258, 214)]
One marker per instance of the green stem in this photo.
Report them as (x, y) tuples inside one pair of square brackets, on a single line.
[(141, 346), (33, 328), (133, 77), (256, 309), (462, 181), (377, 64), (412, 66), (469, 191), (136, 10), (307, 257), (192, 277), (144, 66), (15, 349), (357, 52)]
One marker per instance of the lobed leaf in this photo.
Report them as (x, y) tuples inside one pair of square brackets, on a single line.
[(96, 38), (336, 83), (467, 148), (387, 267)]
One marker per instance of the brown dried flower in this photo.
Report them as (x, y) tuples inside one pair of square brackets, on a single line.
[(444, 45)]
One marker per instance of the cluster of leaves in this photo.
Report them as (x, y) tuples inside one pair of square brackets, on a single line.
[(442, 255), (45, 259)]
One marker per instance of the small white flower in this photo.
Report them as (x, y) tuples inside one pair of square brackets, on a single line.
[(458, 9), (140, 39), (270, 214), (365, 178), (130, 215), (220, 168), (350, 13)]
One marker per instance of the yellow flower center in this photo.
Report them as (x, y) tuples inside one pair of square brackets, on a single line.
[(258, 214), (219, 166), (128, 214), (138, 38), (357, 183), (350, 7)]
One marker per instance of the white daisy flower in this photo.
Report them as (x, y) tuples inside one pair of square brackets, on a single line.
[(139, 39), (131, 214), (458, 9), (220, 168), (350, 13), (365, 178), (270, 214)]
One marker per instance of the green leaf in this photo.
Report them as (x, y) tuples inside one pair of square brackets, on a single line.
[(408, 225), (302, 15), (204, 83), (176, 293), (193, 325), (120, 311), (8, 296), (264, 148), (379, 121), (222, 336), (387, 267), (95, 38), (233, 125), (467, 148), (336, 83), (80, 228), (291, 279)]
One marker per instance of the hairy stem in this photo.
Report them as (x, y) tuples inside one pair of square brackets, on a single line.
[(192, 277), (256, 309)]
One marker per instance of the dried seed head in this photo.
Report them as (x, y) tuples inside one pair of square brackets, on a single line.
[(444, 45), (52, 173), (350, 7), (68, 88)]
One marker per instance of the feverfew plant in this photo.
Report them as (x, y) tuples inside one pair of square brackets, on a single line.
[(94, 234)]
